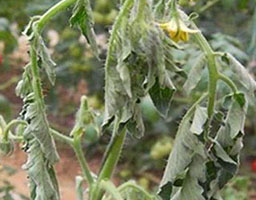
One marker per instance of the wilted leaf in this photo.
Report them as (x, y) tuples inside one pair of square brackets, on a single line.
[(195, 74), (199, 120), (82, 16)]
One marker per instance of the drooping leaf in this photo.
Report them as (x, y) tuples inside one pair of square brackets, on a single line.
[(227, 43), (82, 16), (42, 180), (38, 127), (23, 87), (195, 74), (243, 75), (162, 96), (199, 120), (188, 145), (47, 63)]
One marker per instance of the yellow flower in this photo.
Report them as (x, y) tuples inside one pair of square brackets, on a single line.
[(177, 30)]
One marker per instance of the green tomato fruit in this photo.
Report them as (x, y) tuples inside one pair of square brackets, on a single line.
[(111, 17), (98, 17), (144, 182), (161, 148), (102, 6)]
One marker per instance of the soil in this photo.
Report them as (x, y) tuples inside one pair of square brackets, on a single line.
[(67, 169)]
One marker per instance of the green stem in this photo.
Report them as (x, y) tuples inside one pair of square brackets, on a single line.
[(9, 126), (212, 70), (135, 187), (62, 5), (62, 137), (229, 82), (82, 161), (208, 6), (113, 156), (109, 165)]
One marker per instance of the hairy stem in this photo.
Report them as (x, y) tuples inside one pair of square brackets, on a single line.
[(229, 82), (109, 165), (208, 6), (62, 137), (212, 70), (45, 18), (10, 125), (82, 161)]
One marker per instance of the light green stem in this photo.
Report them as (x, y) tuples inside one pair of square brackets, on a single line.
[(82, 161), (62, 137), (229, 82), (212, 70), (9, 126), (45, 18), (109, 165), (135, 187), (208, 6)]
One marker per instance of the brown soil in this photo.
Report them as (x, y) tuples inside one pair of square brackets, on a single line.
[(67, 169)]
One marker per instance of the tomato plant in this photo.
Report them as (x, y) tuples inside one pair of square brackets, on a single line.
[(140, 63)]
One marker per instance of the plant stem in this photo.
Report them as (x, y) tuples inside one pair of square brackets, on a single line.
[(9, 126), (229, 82), (212, 70), (52, 12), (83, 163), (62, 137), (135, 187), (112, 157), (208, 5)]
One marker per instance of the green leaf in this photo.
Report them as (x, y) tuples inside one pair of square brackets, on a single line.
[(42, 180), (39, 128), (162, 96), (189, 164), (195, 74), (243, 75), (23, 87), (82, 16), (199, 120), (47, 63)]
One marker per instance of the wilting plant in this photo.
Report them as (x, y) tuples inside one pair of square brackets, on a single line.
[(140, 62)]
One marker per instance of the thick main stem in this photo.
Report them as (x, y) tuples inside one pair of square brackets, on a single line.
[(212, 70), (109, 165)]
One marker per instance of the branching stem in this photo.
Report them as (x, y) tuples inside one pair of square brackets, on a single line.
[(229, 82)]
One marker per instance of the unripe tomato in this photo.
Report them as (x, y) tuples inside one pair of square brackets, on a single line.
[(102, 6), (98, 17)]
